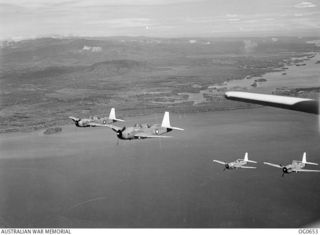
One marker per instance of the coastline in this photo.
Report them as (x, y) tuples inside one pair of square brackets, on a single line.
[(188, 97)]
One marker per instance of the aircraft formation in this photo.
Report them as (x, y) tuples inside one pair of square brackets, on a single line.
[(138, 131), (144, 131), (296, 166)]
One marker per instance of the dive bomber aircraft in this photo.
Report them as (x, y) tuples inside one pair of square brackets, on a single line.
[(295, 166), (143, 131), (93, 121), (239, 163)]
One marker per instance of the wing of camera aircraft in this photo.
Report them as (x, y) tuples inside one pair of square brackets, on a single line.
[(285, 102)]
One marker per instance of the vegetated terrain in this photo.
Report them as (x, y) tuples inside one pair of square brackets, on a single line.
[(43, 81)]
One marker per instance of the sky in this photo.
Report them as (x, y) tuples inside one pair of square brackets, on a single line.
[(21, 19)]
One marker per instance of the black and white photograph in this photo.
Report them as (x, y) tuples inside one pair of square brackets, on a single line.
[(159, 114)]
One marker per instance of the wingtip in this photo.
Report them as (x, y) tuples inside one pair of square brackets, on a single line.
[(230, 93)]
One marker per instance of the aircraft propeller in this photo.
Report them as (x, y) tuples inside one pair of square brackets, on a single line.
[(226, 166), (75, 120), (284, 170), (119, 133)]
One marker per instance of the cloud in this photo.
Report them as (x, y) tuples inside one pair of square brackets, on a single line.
[(231, 15), (155, 17), (233, 19), (123, 22), (304, 5), (298, 14), (35, 4)]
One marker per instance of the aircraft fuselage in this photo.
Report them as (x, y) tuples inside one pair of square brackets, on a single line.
[(86, 122), (129, 132), (295, 166), (235, 165)]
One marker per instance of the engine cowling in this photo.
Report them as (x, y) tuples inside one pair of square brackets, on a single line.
[(120, 133)]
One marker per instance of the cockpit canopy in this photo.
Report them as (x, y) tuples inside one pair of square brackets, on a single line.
[(144, 125), (94, 117)]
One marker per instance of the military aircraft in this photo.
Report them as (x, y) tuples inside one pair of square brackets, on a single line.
[(143, 131), (239, 163), (90, 122), (295, 166), (284, 102)]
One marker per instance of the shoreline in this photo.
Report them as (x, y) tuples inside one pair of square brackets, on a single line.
[(211, 99), (131, 119)]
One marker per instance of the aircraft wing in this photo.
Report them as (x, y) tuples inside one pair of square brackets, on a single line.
[(274, 165), (97, 124), (306, 170), (248, 167), (94, 124), (113, 127), (145, 135), (220, 162), (285, 102)]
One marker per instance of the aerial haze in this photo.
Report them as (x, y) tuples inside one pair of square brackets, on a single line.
[(159, 18)]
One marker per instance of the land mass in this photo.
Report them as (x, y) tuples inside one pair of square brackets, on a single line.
[(43, 81)]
